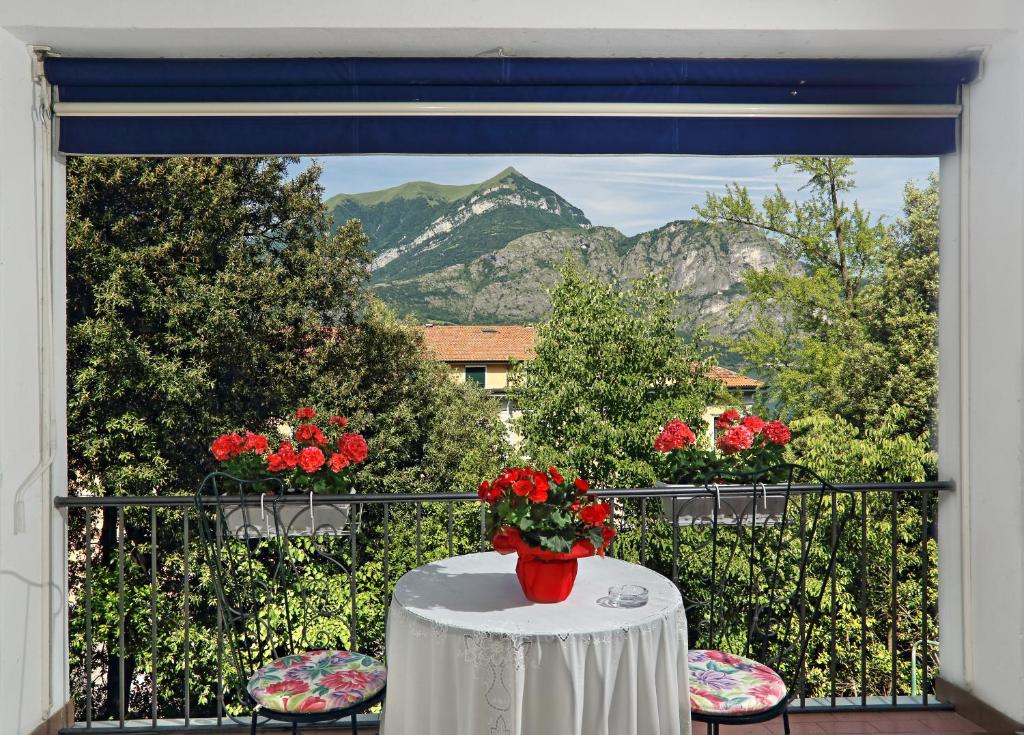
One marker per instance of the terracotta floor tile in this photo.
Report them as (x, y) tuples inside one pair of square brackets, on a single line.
[(849, 725), (765, 728), (902, 725), (803, 727), (949, 722), (841, 723)]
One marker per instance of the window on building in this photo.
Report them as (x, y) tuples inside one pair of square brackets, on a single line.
[(477, 374)]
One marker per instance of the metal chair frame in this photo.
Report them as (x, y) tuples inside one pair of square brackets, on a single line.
[(248, 572), (748, 559)]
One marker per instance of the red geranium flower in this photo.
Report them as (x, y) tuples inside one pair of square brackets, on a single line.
[(305, 413), (487, 492), (227, 446), (310, 434), (539, 494), (354, 447), (727, 419), (284, 458), (675, 435), (595, 514), (553, 510), (337, 462), (311, 459), (736, 439), (255, 443), (754, 423), (522, 488), (777, 433), (338, 421)]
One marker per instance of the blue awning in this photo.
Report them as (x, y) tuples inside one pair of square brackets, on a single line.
[(662, 106)]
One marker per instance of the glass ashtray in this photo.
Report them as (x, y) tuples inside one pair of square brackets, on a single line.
[(626, 595)]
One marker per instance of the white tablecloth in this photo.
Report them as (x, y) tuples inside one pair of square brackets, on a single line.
[(468, 654)]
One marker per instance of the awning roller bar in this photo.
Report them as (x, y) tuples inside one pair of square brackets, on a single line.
[(501, 109)]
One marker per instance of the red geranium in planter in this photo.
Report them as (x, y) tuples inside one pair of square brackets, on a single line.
[(743, 444), (550, 523), (316, 457)]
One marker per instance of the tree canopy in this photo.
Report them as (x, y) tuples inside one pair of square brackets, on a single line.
[(846, 323), (610, 369), (207, 295)]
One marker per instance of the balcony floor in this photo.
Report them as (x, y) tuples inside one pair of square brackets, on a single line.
[(826, 723)]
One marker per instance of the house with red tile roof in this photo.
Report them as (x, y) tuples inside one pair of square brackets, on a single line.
[(484, 354)]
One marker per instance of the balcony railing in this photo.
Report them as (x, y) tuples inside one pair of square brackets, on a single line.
[(146, 651)]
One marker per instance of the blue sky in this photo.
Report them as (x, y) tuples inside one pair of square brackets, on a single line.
[(631, 193)]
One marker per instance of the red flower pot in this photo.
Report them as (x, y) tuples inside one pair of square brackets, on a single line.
[(546, 580)]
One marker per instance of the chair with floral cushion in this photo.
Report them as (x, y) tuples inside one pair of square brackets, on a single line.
[(768, 583), (282, 611)]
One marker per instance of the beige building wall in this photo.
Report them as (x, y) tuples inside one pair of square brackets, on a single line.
[(496, 377)]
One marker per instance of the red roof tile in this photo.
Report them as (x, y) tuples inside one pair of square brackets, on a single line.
[(479, 343), (733, 379)]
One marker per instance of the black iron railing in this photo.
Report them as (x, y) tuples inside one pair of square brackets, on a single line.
[(147, 651)]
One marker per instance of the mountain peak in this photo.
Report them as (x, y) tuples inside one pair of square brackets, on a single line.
[(428, 190), (509, 172)]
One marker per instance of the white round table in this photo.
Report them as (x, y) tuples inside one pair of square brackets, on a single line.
[(468, 654)]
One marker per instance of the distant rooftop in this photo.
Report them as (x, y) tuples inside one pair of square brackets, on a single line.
[(505, 342), (733, 380), (461, 343)]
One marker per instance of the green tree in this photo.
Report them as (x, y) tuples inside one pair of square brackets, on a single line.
[(207, 295), (807, 311), (846, 323), (610, 369), (897, 365), (888, 555)]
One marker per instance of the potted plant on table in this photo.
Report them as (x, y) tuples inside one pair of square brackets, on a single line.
[(744, 444), (550, 523), (315, 457)]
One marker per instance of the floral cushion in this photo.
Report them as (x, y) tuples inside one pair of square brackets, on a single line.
[(317, 681), (724, 684)]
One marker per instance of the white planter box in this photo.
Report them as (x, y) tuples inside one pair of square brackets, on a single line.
[(733, 509), (253, 521)]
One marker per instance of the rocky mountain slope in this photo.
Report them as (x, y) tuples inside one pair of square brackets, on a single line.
[(488, 253)]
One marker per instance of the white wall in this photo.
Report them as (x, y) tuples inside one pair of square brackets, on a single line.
[(31, 608), (982, 527), (523, 27)]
